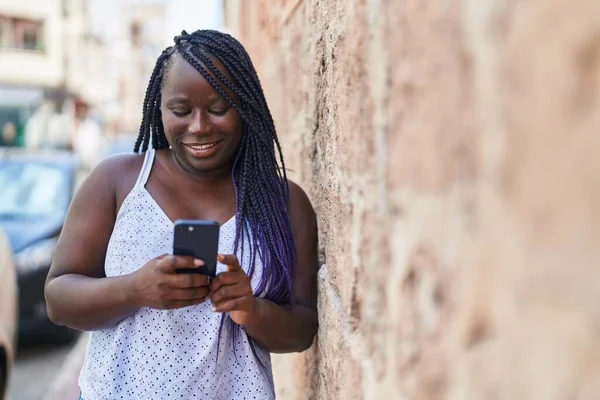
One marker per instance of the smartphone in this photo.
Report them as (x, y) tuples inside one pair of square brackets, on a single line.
[(198, 239)]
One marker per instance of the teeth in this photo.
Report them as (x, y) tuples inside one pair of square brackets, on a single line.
[(202, 146)]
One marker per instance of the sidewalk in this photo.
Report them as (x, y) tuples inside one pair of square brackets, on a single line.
[(65, 385)]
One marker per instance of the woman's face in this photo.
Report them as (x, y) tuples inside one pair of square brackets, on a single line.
[(200, 125)]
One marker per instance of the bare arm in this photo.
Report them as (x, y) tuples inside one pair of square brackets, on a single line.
[(78, 294), (282, 329), (279, 328)]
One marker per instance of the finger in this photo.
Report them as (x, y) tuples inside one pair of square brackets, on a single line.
[(162, 256), (230, 305), (229, 292), (171, 263), (230, 260), (189, 294), (227, 278), (185, 281)]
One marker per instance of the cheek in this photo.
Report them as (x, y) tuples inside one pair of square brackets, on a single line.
[(233, 125), (173, 125)]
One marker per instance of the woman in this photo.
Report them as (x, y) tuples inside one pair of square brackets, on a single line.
[(159, 334)]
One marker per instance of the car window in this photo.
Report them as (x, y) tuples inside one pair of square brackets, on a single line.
[(31, 190)]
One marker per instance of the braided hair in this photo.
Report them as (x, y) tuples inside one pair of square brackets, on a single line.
[(258, 173)]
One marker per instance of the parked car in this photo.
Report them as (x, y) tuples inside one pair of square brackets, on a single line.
[(37, 188), (8, 313)]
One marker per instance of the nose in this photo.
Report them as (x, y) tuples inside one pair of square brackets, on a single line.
[(200, 123)]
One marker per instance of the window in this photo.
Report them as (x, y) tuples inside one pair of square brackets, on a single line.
[(30, 35), (20, 33)]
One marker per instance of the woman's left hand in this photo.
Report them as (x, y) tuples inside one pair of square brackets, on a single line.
[(231, 291)]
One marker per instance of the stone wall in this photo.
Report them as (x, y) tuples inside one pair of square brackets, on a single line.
[(450, 150)]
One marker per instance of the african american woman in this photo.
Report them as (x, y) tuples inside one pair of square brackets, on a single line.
[(207, 149)]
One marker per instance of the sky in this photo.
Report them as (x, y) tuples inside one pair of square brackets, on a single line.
[(192, 15)]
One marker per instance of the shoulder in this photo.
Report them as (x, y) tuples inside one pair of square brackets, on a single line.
[(300, 209), (298, 196), (115, 172), (124, 162)]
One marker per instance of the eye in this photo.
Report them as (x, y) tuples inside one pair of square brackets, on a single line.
[(180, 113), (219, 112)]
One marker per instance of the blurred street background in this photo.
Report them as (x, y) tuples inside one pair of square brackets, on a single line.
[(73, 75)]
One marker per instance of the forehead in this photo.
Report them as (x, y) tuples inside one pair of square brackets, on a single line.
[(181, 76)]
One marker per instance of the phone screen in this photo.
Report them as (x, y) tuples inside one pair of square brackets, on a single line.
[(198, 239)]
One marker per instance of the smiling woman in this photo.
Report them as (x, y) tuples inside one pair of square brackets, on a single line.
[(210, 152)]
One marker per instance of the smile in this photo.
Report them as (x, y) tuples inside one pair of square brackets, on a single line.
[(202, 150), (204, 146)]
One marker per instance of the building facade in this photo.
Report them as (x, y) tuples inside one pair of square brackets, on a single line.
[(31, 43), (31, 61), (63, 61)]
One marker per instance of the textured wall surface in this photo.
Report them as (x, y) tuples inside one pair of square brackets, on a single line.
[(450, 150)]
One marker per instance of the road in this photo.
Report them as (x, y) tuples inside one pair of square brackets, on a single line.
[(36, 368)]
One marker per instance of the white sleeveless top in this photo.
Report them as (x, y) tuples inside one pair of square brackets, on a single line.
[(169, 354)]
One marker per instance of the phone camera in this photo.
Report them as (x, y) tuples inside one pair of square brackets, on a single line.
[(190, 228)]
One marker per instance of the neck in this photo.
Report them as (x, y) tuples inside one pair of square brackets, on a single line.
[(203, 177)]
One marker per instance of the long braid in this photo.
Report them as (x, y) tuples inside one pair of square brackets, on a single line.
[(149, 109), (258, 174)]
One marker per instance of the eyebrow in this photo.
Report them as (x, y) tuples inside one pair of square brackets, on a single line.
[(177, 100), (184, 100)]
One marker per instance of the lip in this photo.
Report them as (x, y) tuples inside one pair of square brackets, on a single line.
[(202, 153)]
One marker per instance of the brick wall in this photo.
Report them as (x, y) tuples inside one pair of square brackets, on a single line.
[(450, 150)]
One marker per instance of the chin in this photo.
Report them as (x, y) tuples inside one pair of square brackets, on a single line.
[(215, 162)]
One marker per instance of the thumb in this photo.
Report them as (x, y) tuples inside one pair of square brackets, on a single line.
[(230, 260)]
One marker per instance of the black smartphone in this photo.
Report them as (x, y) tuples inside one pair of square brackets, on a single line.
[(198, 239)]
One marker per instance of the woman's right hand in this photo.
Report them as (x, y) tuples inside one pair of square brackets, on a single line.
[(158, 285)]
